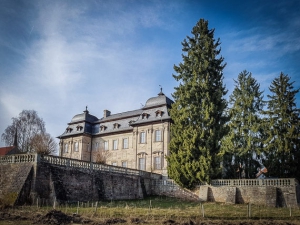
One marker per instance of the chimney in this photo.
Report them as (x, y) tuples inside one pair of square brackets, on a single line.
[(106, 113)]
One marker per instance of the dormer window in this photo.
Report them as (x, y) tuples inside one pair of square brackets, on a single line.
[(102, 128), (79, 128), (69, 130), (116, 125), (159, 113), (145, 116)]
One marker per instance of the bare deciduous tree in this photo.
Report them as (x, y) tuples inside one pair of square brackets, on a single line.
[(24, 128), (103, 156), (43, 144)]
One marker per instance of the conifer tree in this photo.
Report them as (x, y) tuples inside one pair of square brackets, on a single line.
[(242, 145), (283, 122), (198, 110)]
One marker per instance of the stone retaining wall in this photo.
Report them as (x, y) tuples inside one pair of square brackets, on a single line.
[(15, 182), (259, 195), (78, 184), (26, 178)]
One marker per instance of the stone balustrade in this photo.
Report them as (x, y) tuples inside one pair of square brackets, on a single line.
[(21, 158), (280, 182), (74, 163)]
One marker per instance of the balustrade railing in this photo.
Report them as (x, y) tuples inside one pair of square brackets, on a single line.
[(255, 182), (56, 160), (21, 158), (95, 166)]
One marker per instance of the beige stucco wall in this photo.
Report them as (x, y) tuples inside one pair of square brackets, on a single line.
[(150, 149)]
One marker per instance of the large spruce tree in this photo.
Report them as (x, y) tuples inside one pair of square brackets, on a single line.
[(242, 146), (283, 123), (198, 110)]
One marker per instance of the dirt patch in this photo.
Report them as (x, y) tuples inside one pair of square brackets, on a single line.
[(9, 216), (54, 217), (137, 221)]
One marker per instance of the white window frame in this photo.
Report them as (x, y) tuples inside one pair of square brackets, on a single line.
[(142, 164), (66, 147), (76, 146), (96, 146), (143, 137), (105, 145), (124, 164), (158, 135), (157, 164), (125, 143), (115, 144), (114, 164)]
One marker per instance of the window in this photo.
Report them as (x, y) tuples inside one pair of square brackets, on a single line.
[(114, 163), (102, 128), (69, 130), (76, 146), (157, 135), (105, 145), (142, 165), (115, 144), (157, 163), (124, 164), (142, 137), (79, 128), (66, 148), (88, 147), (116, 125), (159, 113), (125, 143), (96, 146), (145, 116)]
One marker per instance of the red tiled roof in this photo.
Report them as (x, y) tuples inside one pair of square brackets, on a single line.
[(5, 150)]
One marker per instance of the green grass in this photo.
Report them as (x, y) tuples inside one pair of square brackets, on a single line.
[(170, 208), (154, 210)]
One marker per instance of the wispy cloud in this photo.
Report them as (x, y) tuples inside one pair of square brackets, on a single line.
[(76, 59), (59, 56)]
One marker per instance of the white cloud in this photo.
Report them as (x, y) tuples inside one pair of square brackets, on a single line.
[(76, 60)]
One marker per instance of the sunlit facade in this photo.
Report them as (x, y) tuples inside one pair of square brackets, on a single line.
[(137, 139)]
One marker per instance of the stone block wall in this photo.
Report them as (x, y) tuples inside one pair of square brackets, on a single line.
[(224, 194), (75, 184), (287, 196), (260, 195), (15, 182), (257, 195), (23, 179), (171, 189)]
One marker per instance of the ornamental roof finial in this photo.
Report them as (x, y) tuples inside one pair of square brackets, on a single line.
[(86, 110), (160, 93)]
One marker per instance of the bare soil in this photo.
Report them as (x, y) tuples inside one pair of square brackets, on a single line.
[(55, 217)]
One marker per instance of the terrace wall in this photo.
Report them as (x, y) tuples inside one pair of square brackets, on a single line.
[(27, 178)]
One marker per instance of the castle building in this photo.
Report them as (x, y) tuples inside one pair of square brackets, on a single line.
[(137, 139)]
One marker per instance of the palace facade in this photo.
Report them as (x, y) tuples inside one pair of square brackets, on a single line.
[(137, 139)]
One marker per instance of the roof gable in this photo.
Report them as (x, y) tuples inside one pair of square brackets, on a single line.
[(9, 150)]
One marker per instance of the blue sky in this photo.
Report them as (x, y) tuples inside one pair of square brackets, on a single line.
[(57, 57)]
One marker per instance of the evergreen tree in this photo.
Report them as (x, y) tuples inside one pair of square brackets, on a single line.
[(242, 145), (283, 122), (198, 110)]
